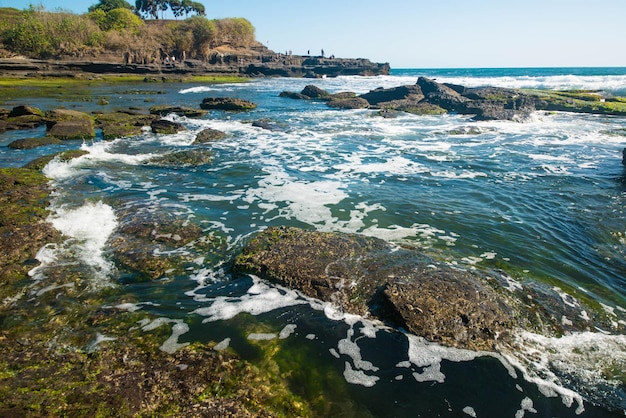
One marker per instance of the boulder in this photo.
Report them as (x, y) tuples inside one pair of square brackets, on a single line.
[(406, 289), (348, 103), (314, 92), (185, 158), (73, 129), (25, 110), (122, 123), (208, 135), (293, 95), (227, 103), (57, 115), (30, 143), (164, 126), (367, 276), (380, 95), (178, 110), (442, 96)]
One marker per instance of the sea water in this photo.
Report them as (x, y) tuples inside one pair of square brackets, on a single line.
[(540, 200)]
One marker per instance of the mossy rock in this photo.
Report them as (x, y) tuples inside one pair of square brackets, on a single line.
[(122, 124), (178, 110), (30, 143), (166, 127), (348, 103), (185, 158), (227, 103), (209, 135), (73, 129), (25, 110), (39, 163), (57, 115)]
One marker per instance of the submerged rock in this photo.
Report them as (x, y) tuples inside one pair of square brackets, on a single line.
[(178, 110), (404, 288), (367, 276), (184, 158), (123, 123)]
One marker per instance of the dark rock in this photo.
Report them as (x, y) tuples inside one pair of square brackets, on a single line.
[(314, 92), (404, 288), (293, 95), (185, 158), (164, 126), (348, 103), (24, 122), (267, 124), (30, 143), (227, 103), (442, 96), (178, 110), (366, 276), (25, 110), (208, 135), (381, 95)]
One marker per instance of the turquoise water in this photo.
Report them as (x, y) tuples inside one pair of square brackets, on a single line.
[(542, 200)]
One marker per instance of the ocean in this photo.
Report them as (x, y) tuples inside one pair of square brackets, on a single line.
[(542, 200)]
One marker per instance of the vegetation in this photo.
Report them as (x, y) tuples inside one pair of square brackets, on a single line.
[(114, 27)]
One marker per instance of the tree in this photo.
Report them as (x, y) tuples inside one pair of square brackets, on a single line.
[(149, 7), (116, 19), (108, 5)]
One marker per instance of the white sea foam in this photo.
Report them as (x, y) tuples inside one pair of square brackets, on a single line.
[(179, 327), (89, 228), (222, 345)]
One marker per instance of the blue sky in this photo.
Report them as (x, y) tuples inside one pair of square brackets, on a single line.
[(429, 34)]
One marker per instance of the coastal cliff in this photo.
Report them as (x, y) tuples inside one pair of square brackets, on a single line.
[(245, 65)]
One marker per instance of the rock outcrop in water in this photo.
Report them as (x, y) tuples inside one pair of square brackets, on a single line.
[(407, 290), (483, 103)]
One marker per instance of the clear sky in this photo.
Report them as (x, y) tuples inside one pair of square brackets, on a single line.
[(429, 34)]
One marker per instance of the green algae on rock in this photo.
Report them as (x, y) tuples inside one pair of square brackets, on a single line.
[(408, 290)]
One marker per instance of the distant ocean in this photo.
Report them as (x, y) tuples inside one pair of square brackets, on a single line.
[(543, 200)]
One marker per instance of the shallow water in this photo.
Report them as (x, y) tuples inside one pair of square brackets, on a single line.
[(541, 200)]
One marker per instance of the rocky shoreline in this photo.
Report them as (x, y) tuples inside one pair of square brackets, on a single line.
[(362, 275), (273, 65)]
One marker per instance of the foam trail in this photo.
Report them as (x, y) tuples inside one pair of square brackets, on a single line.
[(90, 227)]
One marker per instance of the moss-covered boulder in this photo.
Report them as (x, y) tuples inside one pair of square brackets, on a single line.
[(122, 123), (39, 163), (408, 290), (227, 103), (73, 129), (164, 126), (165, 110), (25, 110), (209, 135), (348, 103), (30, 143), (24, 196), (183, 158)]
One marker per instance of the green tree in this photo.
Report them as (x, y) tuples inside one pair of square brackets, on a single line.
[(108, 5), (116, 19)]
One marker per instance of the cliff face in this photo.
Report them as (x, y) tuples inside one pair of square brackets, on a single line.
[(235, 63)]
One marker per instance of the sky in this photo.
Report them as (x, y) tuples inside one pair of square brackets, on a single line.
[(429, 34)]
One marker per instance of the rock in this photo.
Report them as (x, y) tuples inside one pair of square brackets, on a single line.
[(406, 289), (185, 158), (442, 96), (267, 124), (30, 143), (348, 103), (381, 95), (57, 115), (164, 126), (314, 92), (293, 95), (178, 110), (73, 129), (25, 110), (39, 163), (122, 123), (24, 196), (208, 135), (364, 275), (226, 103)]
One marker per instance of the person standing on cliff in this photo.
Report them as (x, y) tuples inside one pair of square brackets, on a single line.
[(322, 52)]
